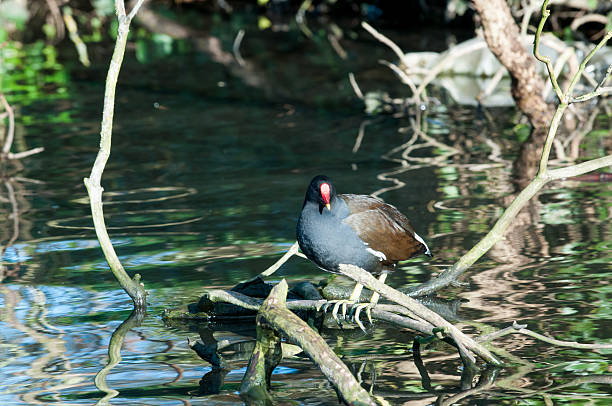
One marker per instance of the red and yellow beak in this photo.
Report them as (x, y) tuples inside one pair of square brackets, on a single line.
[(325, 190)]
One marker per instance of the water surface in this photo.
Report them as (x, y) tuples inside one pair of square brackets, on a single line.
[(203, 188)]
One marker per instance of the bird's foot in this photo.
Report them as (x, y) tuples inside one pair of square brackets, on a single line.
[(356, 312), (337, 304)]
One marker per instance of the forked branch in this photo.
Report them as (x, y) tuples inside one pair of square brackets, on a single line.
[(543, 176)]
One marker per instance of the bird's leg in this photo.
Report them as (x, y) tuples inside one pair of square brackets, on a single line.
[(368, 306), (353, 298)]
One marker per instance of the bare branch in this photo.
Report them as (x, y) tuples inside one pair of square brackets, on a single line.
[(355, 86), (23, 154), (366, 279), (134, 10), (10, 134), (133, 287), (293, 250), (542, 58), (385, 40), (274, 312), (404, 78), (236, 47)]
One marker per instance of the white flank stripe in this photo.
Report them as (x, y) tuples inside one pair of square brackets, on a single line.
[(378, 254), (422, 241)]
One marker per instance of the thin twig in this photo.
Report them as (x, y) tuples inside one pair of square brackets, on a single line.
[(588, 18), (599, 92), (236, 47), (528, 11), (545, 59), (333, 40), (565, 100), (134, 10), (355, 86), (10, 134), (360, 135), (73, 33), (300, 18), (385, 40), (23, 154), (405, 79), (293, 250), (603, 80)]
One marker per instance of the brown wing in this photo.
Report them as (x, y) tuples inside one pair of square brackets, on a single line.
[(359, 203), (383, 228)]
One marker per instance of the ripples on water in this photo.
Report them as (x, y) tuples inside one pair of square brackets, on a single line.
[(205, 192)]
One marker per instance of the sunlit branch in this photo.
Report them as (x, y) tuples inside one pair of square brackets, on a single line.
[(366, 279), (274, 315), (133, 287), (10, 134), (542, 58), (449, 276), (73, 33)]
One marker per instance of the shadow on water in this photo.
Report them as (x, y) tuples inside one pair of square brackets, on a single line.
[(205, 182)]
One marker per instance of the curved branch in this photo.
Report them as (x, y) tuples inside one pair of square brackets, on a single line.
[(133, 287), (274, 313)]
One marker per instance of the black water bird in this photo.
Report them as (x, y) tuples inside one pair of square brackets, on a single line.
[(359, 230)]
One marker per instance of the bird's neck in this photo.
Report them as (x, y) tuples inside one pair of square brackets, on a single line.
[(338, 207)]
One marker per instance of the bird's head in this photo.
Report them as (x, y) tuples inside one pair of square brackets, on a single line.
[(321, 191)]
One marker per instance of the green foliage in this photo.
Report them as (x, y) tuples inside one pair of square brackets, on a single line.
[(31, 72), (521, 131), (156, 46)]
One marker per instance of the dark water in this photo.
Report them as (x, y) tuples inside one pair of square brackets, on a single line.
[(203, 187)]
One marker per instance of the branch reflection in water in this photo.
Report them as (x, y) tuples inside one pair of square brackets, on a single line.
[(114, 353)]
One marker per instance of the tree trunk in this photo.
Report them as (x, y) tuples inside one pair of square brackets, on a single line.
[(503, 38)]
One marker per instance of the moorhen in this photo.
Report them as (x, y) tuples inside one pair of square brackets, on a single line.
[(358, 230)]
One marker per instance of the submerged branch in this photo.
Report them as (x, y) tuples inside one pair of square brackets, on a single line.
[(392, 314), (275, 314)]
